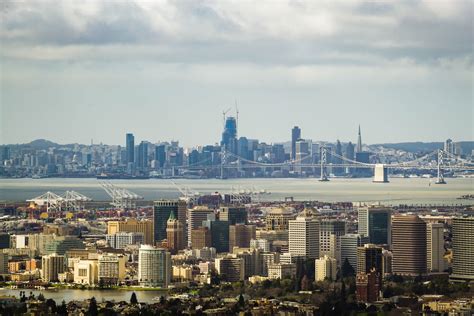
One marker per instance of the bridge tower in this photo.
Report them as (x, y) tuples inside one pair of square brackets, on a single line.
[(380, 173), (440, 179), (324, 176)]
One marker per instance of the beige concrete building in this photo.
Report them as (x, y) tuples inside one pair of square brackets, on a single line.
[(132, 225), (325, 268), (51, 266), (111, 268), (435, 247), (86, 272)]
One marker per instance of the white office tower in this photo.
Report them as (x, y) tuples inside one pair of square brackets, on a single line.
[(435, 247), (304, 235), (154, 266), (325, 268)]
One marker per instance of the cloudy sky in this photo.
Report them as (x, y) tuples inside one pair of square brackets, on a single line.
[(72, 71)]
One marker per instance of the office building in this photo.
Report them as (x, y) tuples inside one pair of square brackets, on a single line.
[(132, 226), (325, 268), (463, 249), (161, 212), (51, 266), (369, 257), (142, 161), (86, 272), (435, 247), (375, 222), (111, 268), (295, 135), (60, 244), (278, 218), (154, 267), (330, 232), (303, 154), (240, 235), (219, 234), (196, 216), (175, 234), (4, 240), (262, 244), (229, 136), (368, 286), (3, 263), (252, 260), (349, 154), (408, 245), (281, 271), (304, 235), (122, 239), (130, 148), (230, 268), (201, 237), (233, 214), (269, 258), (349, 245)]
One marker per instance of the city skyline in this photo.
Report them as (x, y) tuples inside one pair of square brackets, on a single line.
[(167, 71)]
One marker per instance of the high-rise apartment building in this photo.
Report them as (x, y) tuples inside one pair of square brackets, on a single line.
[(408, 245), (304, 235), (161, 212), (375, 222), (51, 266), (111, 268), (435, 247), (325, 268), (154, 267), (463, 249), (122, 239)]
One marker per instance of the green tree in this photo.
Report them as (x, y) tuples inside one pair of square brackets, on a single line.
[(133, 299), (347, 269), (241, 300), (93, 311)]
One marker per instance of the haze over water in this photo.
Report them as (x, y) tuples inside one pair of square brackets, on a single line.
[(398, 191)]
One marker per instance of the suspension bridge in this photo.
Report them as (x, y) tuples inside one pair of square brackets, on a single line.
[(440, 160)]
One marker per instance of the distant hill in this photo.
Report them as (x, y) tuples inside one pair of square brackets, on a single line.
[(41, 144), (466, 146)]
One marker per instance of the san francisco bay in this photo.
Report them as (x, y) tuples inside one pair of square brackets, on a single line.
[(397, 191)]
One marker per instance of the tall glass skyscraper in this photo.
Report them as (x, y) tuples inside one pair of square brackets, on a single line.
[(375, 222), (161, 213), (295, 135), (130, 147), (229, 136)]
